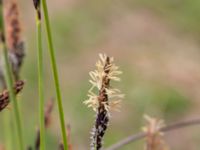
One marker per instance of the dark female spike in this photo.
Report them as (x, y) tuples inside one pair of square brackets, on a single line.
[(37, 8), (47, 119), (4, 96), (36, 3), (13, 37)]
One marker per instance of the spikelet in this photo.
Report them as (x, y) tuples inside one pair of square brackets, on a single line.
[(36, 4), (14, 41), (47, 114), (47, 119), (100, 79), (69, 144), (106, 99), (4, 96), (154, 138), (61, 146)]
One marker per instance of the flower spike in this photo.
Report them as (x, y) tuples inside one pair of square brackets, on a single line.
[(154, 138), (106, 99)]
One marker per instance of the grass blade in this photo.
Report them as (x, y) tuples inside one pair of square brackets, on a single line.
[(9, 82), (55, 73), (40, 78)]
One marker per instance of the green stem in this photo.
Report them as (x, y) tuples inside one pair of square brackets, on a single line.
[(9, 82), (7, 130), (55, 74), (40, 83)]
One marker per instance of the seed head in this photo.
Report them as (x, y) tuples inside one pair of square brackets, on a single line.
[(105, 99), (37, 8), (4, 96), (36, 3), (154, 138), (47, 119), (48, 111), (106, 71), (14, 39)]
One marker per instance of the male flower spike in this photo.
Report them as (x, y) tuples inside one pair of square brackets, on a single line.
[(106, 99)]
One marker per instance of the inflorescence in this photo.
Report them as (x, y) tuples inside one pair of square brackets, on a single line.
[(107, 98), (154, 138)]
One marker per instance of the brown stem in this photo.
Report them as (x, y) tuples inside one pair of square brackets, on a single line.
[(141, 135)]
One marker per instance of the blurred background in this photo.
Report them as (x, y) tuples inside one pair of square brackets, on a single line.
[(156, 45)]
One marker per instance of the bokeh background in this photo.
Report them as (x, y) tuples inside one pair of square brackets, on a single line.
[(156, 45)]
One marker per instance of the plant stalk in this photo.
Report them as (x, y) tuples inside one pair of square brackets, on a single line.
[(55, 73), (40, 80), (141, 135), (9, 81)]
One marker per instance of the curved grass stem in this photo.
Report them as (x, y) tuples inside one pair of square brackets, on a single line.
[(141, 135)]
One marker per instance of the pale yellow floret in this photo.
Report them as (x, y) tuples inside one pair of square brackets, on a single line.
[(96, 81), (154, 135), (114, 93), (154, 125), (115, 105), (92, 102)]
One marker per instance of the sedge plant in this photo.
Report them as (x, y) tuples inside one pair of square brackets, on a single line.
[(9, 81), (55, 73), (107, 98), (40, 75)]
